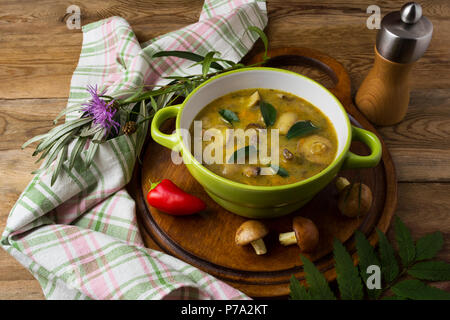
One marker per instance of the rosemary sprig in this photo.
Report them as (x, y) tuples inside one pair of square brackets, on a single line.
[(104, 116)]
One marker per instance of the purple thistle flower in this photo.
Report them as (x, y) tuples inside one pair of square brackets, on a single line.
[(101, 112)]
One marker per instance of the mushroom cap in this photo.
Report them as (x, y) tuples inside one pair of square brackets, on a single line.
[(249, 231), (306, 233), (315, 148), (351, 203)]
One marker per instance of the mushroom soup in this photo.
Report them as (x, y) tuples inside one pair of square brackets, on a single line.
[(307, 141)]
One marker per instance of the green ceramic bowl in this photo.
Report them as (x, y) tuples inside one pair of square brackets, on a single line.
[(265, 201)]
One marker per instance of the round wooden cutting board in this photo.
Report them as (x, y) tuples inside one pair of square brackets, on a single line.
[(206, 240)]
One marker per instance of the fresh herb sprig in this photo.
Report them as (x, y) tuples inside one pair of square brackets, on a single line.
[(415, 263), (105, 117)]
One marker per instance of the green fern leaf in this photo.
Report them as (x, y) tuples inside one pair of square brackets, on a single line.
[(389, 265), (348, 278), (431, 270), (406, 248), (317, 284), (417, 290), (367, 257), (429, 245), (298, 291)]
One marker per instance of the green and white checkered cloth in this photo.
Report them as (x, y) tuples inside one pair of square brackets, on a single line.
[(80, 238)]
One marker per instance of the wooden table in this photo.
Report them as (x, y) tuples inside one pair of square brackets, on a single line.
[(38, 55)]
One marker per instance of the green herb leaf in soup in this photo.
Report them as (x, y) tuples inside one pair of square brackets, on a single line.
[(279, 171), (241, 154), (268, 112), (301, 129), (229, 115)]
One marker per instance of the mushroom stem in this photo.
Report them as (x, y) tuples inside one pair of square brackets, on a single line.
[(259, 246), (341, 183), (287, 238)]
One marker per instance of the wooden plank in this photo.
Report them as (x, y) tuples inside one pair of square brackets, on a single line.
[(22, 119), (20, 290), (49, 17), (38, 53), (37, 66), (427, 124), (11, 270), (425, 208), (420, 144)]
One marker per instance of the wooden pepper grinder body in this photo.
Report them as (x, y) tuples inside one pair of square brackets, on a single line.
[(383, 96)]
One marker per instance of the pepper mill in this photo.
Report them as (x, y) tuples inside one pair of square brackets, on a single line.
[(383, 96)]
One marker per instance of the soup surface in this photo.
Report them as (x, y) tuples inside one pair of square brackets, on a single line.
[(306, 142)]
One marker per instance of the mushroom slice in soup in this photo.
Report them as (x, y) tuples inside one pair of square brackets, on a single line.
[(253, 100), (316, 149), (285, 122)]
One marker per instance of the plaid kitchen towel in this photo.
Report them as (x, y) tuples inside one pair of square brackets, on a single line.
[(79, 238)]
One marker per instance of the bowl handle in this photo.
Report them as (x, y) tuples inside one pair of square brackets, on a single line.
[(167, 140), (354, 161)]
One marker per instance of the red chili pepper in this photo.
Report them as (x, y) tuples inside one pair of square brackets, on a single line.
[(167, 197)]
